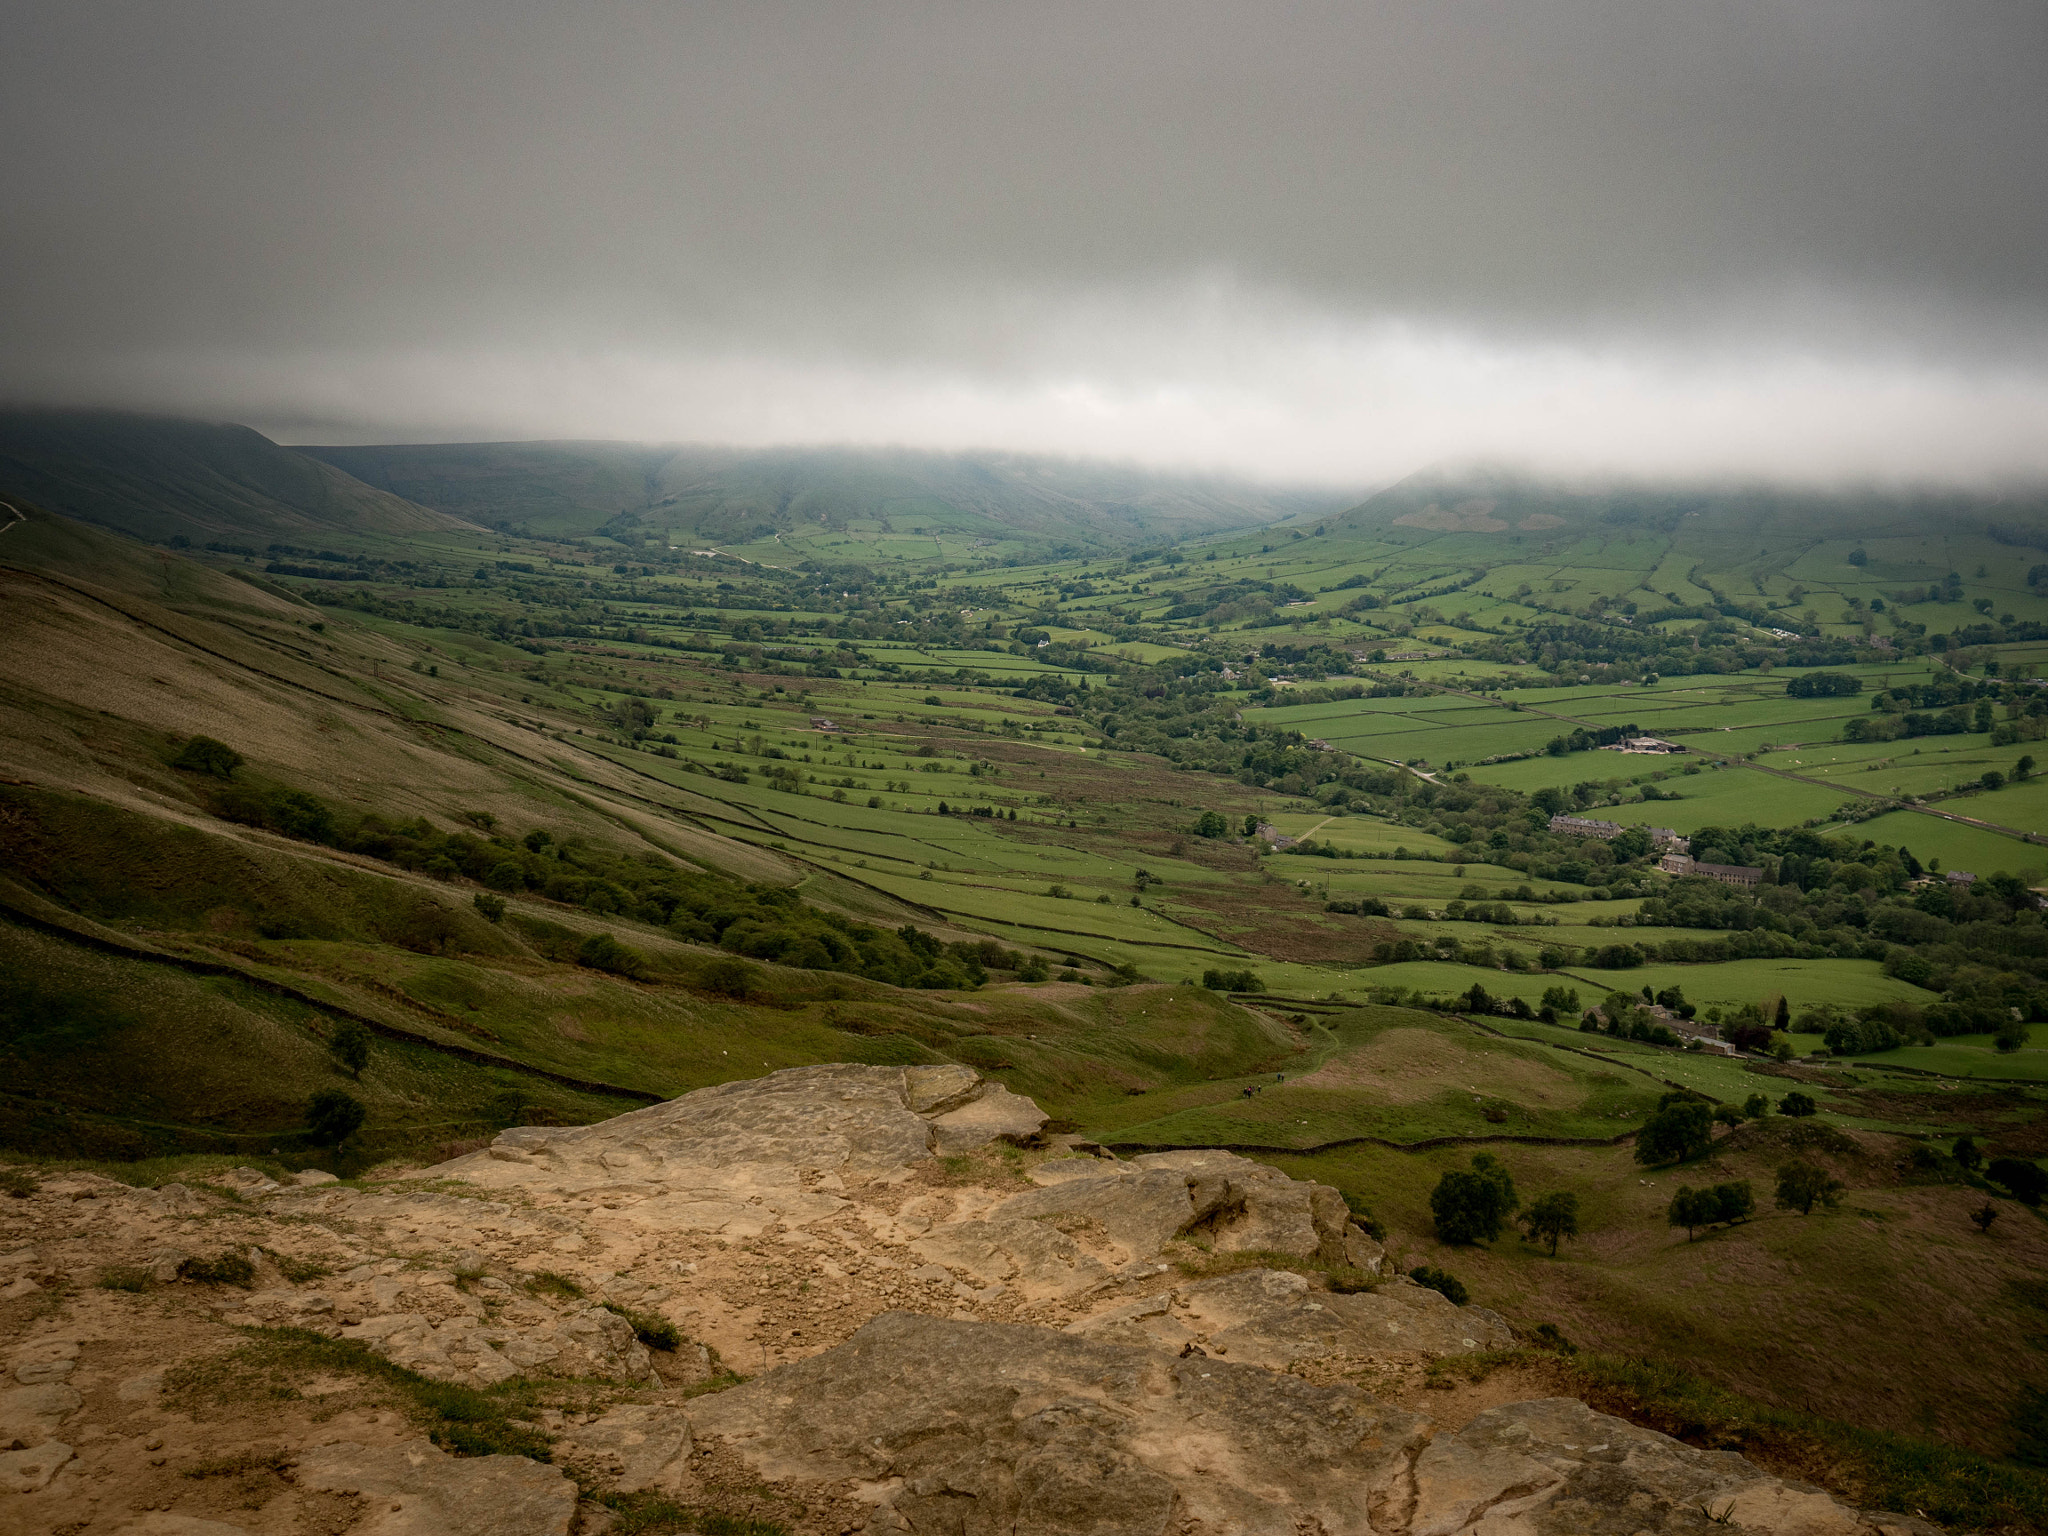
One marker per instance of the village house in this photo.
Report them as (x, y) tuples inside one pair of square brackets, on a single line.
[(1655, 745)]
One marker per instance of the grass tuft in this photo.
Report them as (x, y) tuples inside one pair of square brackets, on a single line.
[(654, 1331), (654, 1514), (133, 1278), (225, 1268), (546, 1282)]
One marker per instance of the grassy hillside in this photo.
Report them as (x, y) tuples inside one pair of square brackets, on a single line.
[(157, 478), (742, 816)]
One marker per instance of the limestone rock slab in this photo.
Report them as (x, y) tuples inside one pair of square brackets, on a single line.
[(966, 1427), (416, 1489)]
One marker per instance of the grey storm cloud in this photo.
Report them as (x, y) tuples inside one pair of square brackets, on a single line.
[(1328, 241)]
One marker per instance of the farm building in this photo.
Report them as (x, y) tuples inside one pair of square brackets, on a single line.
[(1655, 745)]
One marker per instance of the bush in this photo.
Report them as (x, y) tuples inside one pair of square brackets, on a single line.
[(19, 1182), (1797, 1104), (602, 952), (332, 1117), (1442, 1281), (1232, 981), (225, 1268), (653, 1331), (2011, 1036), (1472, 1207), (202, 754), (2025, 1180), (490, 908), (1211, 824), (728, 978)]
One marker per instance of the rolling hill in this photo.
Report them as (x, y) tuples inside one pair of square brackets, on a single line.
[(161, 478), (735, 496)]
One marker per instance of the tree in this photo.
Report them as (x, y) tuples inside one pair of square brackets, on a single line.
[(1251, 825), (1734, 1201), (1984, 1215), (2010, 1036), (490, 908), (1756, 1106), (1691, 1209), (332, 1117), (202, 754), (1796, 1104), (1991, 778), (2026, 1180), (1802, 1185), (1680, 1130), (1783, 1018), (1471, 1207), (1968, 1153), (350, 1046), (2023, 768), (1478, 1000), (1211, 824), (1553, 1217)]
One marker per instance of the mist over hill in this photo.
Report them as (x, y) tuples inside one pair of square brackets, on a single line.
[(159, 478), (1480, 500), (737, 495)]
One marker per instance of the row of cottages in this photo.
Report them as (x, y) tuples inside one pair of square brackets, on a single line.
[(1744, 875), (1587, 826)]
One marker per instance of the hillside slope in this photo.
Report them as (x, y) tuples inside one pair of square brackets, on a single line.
[(728, 495), (158, 478), (1713, 519)]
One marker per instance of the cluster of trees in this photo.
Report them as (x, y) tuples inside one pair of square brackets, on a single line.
[(1232, 981), (1474, 1206), (1716, 1205), (761, 922)]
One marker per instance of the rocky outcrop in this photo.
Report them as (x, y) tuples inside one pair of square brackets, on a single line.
[(1016, 1343), (948, 1426), (415, 1489), (1276, 1319), (1553, 1466)]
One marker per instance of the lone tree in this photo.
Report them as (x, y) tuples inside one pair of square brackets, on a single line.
[(1472, 1207), (1968, 1153), (1803, 1185), (1783, 1018), (202, 754), (1680, 1130), (1984, 1215), (1553, 1217), (1797, 1104), (1692, 1209), (332, 1117), (1211, 824), (351, 1047)]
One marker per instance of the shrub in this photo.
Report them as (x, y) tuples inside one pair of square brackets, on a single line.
[(2026, 1180), (1211, 824), (728, 978), (19, 1182), (654, 1331), (602, 952), (1232, 981), (490, 908), (332, 1117), (202, 754), (1471, 1207), (1362, 1213), (1797, 1104), (133, 1278), (2011, 1036), (1442, 1281), (225, 1268)]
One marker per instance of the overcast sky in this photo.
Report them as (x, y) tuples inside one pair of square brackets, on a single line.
[(1316, 241)]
